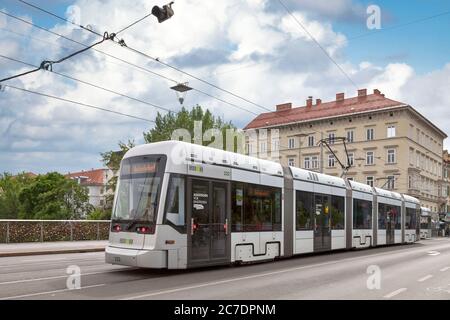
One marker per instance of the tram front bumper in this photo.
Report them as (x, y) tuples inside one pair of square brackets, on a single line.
[(154, 259)]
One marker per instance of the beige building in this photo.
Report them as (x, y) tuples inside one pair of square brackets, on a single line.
[(389, 143), (446, 181)]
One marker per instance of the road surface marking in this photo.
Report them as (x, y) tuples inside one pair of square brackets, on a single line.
[(433, 253), (39, 263), (151, 294), (45, 260), (60, 277), (425, 278), (50, 292), (394, 293), (444, 269)]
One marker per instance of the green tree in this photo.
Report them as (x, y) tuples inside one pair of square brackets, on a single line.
[(10, 189), (53, 197), (165, 125), (100, 214)]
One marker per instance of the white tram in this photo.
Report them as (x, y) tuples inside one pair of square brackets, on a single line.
[(181, 206)]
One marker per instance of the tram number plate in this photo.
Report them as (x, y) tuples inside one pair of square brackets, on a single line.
[(126, 241)]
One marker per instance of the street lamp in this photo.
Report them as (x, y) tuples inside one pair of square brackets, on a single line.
[(164, 13), (181, 90)]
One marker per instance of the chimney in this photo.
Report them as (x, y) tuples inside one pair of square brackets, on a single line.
[(309, 102), (318, 102), (340, 97), (362, 93), (284, 107), (376, 91)]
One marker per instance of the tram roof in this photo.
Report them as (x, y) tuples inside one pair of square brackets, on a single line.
[(388, 194), (178, 151), (313, 177), (411, 199)]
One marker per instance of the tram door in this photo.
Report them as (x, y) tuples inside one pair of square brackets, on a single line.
[(322, 223), (390, 227), (209, 216)]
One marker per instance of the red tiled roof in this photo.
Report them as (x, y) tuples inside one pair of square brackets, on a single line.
[(349, 106), (94, 177)]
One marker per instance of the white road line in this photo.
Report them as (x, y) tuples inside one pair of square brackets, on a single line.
[(39, 263), (444, 269), (61, 277), (151, 294), (425, 278), (394, 293), (433, 253), (44, 260), (49, 292)]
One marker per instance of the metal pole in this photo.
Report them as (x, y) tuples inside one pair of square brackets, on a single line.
[(71, 230), (7, 232), (42, 231), (98, 230), (321, 153)]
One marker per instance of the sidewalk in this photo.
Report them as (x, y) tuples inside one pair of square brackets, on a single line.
[(39, 248)]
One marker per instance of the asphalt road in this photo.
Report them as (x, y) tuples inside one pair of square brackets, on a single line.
[(419, 271)]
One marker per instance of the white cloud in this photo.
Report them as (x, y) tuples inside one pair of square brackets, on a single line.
[(246, 47)]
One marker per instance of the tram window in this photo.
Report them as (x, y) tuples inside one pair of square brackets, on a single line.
[(362, 214), (237, 207), (382, 216), (397, 217), (304, 209), (262, 208), (411, 219), (337, 213), (175, 204)]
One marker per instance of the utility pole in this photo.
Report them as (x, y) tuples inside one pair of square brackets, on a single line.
[(321, 153)]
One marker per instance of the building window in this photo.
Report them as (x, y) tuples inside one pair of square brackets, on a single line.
[(362, 214), (331, 161), (311, 142), (291, 162), (307, 163), (369, 181), (391, 132), (391, 182), (331, 138), (350, 136), (351, 159), (315, 162), (248, 148), (370, 158), (410, 182), (263, 147), (391, 156), (275, 145), (291, 143), (370, 134)]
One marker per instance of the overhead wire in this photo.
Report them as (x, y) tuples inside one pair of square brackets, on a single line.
[(77, 103), (125, 61)]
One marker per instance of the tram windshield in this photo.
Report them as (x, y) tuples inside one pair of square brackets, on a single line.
[(139, 189)]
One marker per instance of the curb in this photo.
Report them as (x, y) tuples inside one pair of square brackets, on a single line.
[(49, 252)]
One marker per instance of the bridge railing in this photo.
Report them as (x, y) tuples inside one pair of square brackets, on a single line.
[(25, 231)]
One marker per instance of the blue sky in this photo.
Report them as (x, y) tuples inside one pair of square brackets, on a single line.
[(240, 45)]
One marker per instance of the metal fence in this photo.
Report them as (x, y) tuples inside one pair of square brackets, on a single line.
[(25, 231)]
